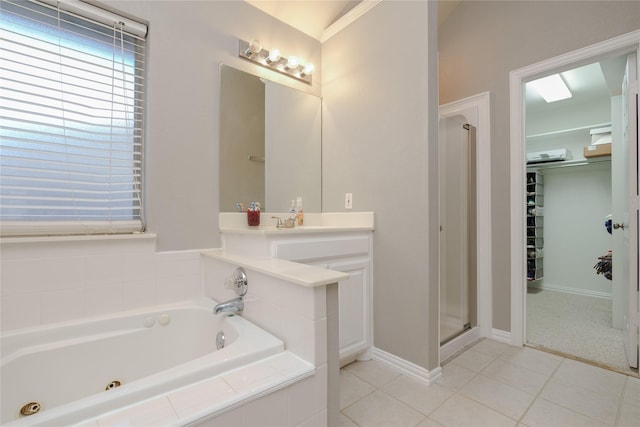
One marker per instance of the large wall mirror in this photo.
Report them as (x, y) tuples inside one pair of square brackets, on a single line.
[(270, 144)]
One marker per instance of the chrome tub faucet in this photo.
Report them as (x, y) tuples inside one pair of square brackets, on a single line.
[(238, 282), (235, 305)]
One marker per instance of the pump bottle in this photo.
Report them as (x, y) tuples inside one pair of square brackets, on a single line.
[(299, 212)]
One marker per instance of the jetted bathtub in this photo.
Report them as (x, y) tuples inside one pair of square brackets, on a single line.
[(72, 371)]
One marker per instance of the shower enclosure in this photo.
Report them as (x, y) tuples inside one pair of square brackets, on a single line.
[(458, 278)]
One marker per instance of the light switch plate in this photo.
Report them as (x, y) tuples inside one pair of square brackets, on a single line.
[(348, 200)]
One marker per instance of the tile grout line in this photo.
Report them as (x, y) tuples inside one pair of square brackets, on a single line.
[(537, 396), (621, 402), (566, 359), (378, 388), (360, 398), (457, 391)]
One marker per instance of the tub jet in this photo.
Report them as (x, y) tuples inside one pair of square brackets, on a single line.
[(112, 385), (30, 409)]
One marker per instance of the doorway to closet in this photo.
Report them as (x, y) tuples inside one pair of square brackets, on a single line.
[(573, 301)]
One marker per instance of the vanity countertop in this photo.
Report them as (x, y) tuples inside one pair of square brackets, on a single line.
[(236, 222), (302, 274)]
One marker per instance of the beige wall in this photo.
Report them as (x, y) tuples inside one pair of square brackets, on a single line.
[(379, 141), (376, 135), (187, 42), (378, 86), (479, 45)]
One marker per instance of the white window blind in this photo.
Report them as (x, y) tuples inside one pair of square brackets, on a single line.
[(71, 119)]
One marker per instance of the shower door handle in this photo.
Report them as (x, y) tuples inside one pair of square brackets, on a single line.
[(617, 226)]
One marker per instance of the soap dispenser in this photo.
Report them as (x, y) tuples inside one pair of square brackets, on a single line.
[(299, 212)]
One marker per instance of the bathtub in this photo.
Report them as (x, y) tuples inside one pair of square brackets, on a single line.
[(77, 370)]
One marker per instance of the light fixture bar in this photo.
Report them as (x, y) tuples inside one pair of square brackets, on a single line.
[(273, 61), (552, 88)]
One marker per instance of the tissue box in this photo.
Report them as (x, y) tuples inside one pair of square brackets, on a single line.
[(597, 150)]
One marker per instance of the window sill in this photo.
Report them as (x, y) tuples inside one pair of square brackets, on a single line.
[(76, 238)]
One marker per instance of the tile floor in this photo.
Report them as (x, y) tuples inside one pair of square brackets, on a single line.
[(491, 384)]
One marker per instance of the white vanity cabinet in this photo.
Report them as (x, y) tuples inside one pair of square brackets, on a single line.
[(349, 253), (340, 242)]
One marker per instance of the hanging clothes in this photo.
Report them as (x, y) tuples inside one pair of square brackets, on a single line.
[(603, 266)]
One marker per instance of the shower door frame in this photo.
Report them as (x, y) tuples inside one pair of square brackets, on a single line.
[(458, 194), (476, 109)]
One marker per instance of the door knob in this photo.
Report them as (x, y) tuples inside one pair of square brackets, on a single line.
[(617, 226)]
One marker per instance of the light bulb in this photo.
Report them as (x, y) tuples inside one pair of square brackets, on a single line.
[(308, 69), (255, 46), (292, 62), (274, 55)]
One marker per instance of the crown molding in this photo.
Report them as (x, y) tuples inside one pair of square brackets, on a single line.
[(348, 18)]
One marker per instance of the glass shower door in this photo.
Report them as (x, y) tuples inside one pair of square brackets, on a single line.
[(457, 227)]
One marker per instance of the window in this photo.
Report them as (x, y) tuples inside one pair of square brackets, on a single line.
[(71, 113)]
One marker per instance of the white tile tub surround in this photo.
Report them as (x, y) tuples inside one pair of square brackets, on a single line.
[(56, 279), (48, 280), (281, 390), (294, 312), (293, 302), (286, 390), (159, 351)]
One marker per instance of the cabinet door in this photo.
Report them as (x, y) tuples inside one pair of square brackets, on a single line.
[(354, 300)]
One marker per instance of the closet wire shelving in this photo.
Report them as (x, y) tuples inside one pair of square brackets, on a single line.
[(535, 224)]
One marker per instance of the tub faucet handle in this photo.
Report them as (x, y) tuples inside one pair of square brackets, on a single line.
[(238, 282)]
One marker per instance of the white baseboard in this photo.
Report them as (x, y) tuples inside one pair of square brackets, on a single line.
[(502, 336), (430, 376), (406, 367), (568, 290)]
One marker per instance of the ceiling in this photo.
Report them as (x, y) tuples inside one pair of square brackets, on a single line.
[(597, 81), (314, 16), (309, 16)]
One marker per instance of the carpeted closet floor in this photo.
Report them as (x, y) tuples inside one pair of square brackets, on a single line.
[(575, 325)]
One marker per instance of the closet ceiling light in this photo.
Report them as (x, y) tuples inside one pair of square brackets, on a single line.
[(552, 88), (272, 60)]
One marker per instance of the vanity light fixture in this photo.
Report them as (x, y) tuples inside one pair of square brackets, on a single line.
[(308, 69), (274, 56), (552, 88), (272, 60), (254, 48), (292, 63)]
